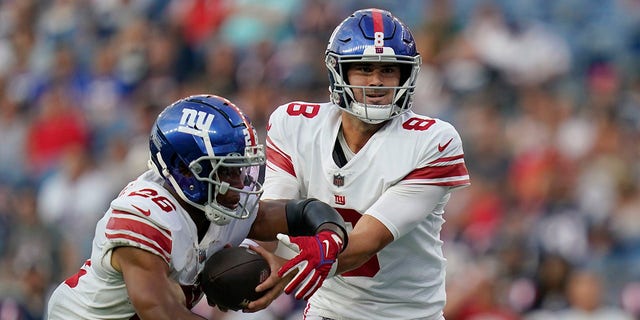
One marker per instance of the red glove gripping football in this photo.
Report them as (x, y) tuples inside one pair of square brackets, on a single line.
[(316, 257)]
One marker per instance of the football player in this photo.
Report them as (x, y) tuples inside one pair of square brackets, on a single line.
[(200, 195), (387, 170)]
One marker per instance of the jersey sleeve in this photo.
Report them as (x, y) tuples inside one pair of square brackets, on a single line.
[(132, 223), (410, 204), (426, 189), (280, 175), (443, 161)]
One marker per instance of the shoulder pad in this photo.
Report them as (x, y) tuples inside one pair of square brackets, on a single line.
[(150, 202)]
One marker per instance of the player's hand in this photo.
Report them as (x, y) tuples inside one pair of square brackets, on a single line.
[(273, 285), (315, 261)]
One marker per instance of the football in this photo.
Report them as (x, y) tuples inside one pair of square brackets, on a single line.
[(231, 275)]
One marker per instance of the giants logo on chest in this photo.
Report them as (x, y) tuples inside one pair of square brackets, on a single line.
[(338, 181), (202, 255)]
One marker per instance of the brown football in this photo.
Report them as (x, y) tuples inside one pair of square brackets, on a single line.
[(231, 275)]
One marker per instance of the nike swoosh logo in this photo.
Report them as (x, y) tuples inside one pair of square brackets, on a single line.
[(442, 147), (145, 212), (326, 244), (337, 239)]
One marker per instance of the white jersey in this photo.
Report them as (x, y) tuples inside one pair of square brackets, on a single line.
[(145, 216), (386, 179)]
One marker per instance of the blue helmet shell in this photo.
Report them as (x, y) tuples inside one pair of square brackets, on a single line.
[(357, 32), (372, 35), (193, 137)]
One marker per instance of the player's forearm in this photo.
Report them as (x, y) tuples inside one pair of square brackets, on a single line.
[(348, 261), (355, 255), (160, 314), (297, 218), (163, 300), (368, 237), (270, 220), (311, 216), (169, 310)]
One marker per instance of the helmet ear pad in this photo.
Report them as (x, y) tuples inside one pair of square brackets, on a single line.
[(336, 93), (338, 96), (406, 100), (193, 189), (177, 167)]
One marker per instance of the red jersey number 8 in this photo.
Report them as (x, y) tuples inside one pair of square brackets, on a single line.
[(418, 124), (305, 110)]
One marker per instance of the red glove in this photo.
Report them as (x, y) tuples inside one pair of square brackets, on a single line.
[(316, 259)]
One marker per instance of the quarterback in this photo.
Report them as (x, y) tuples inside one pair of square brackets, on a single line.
[(200, 195), (388, 171)]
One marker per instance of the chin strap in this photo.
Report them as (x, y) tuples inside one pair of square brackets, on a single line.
[(214, 216)]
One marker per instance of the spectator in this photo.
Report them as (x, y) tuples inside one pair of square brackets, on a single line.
[(74, 198), (584, 292)]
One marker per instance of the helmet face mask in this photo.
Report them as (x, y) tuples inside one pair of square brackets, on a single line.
[(207, 151), (372, 36)]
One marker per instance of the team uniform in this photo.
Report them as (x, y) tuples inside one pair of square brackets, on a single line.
[(393, 178), (146, 216)]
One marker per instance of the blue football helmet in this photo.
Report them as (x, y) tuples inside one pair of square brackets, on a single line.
[(196, 143), (372, 35)]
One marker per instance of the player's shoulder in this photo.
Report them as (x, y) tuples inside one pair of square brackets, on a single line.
[(301, 122), (302, 112), (433, 136), (419, 126), (147, 199)]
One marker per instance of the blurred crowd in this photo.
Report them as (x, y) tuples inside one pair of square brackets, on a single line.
[(545, 94)]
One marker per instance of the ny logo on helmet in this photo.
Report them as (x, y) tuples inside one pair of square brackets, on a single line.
[(195, 122)]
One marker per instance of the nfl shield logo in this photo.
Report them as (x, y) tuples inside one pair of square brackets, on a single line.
[(202, 255), (338, 180)]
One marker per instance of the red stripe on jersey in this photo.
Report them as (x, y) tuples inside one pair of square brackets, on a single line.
[(270, 166), (442, 172), (145, 230), (146, 243), (451, 183), (280, 160), (447, 159), (274, 146), (378, 26), (136, 215)]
